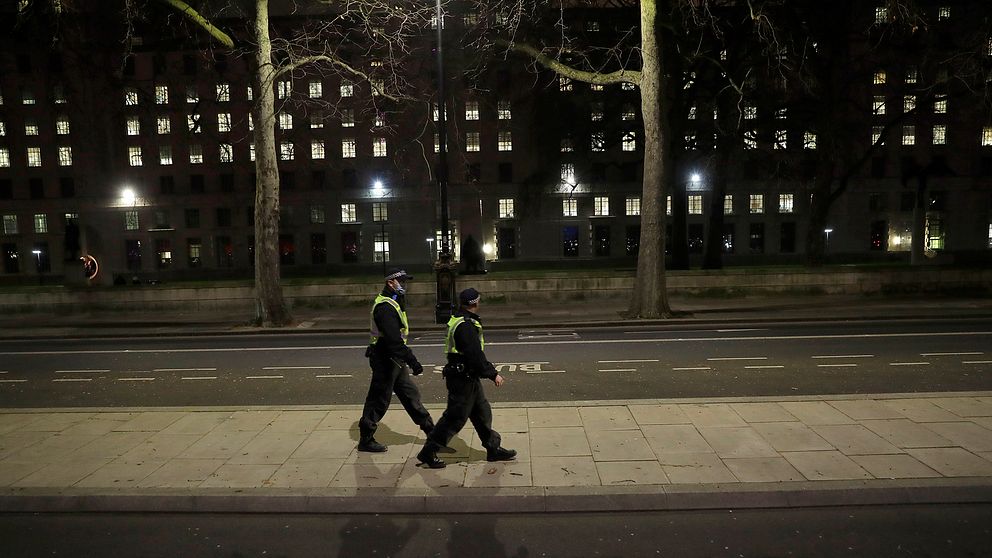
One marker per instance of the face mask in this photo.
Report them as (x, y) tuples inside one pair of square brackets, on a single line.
[(399, 289)]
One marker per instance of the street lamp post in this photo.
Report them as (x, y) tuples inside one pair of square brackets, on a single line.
[(37, 264), (826, 242), (379, 193), (443, 268)]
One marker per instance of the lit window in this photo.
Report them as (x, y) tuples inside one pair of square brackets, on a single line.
[(34, 156), (943, 13), (193, 123), (596, 113), (195, 154), (58, 94), (3, 128), (40, 223), (881, 14), (224, 122), (133, 126), (251, 151), (597, 141), (286, 151), (161, 94), (627, 113), (61, 126), (692, 112), (911, 75), (503, 110), (566, 145), (10, 224), (4, 157), (990, 235), (348, 213), (134, 156), (348, 148), (780, 139), (347, 118), (750, 140), (780, 114), (601, 206), (436, 114), (876, 135), (27, 97), (378, 147), (627, 86), (1, 97), (940, 105), (939, 134), (379, 212), (165, 154), (472, 141), (756, 203), (564, 83), (909, 135), (163, 125), (629, 141), (380, 120), (284, 88), (317, 214), (506, 208), (381, 247), (878, 105), (750, 112), (987, 136), (879, 77), (130, 97), (285, 121), (592, 25), (226, 152), (471, 110), (251, 93), (377, 86), (131, 220), (65, 156), (437, 143), (569, 208), (695, 204), (316, 89), (632, 206), (809, 140), (785, 203), (223, 92), (30, 128), (668, 205), (908, 103), (251, 123), (728, 204), (192, 95), (568, 173), (317, 149), (317, 119), (504, 141)]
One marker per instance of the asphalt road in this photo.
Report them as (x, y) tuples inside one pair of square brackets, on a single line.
[(877, 532), (540, 365)]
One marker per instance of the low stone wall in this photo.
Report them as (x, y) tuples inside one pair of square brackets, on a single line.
[(553, 286)]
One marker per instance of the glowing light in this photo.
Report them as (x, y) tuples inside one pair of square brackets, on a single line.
[(128, 197), (487, 249)]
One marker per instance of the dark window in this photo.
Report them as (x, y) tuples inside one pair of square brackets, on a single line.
[(192, 218), (506, 242), (6, 189), (597, 171), (808, 168), (349, 246), (570, 241), (129, 66), (876, 202), (633, 240), (938, 201), (132, 252), (227, 183), (189, 65), (193, 253), (250, 216), (757, 238), (225, 252), (67, 187), (986, 166), (787, 238), (668, 239), (196, 184), (907, 201), (24, 63), (166, 185), (473, 172), (158, 64), (11, 262), (42, 261), (878, 167), (318, 248), (287, 180), (251, 252), (601, 235), (287, 250), (220, 62), (349, 179), (506, 172), (55, 64), (317, 179), (879, 236), (729, 238), (696, 238), (223, 216), (37, 188), (161, 219), (163, 252)]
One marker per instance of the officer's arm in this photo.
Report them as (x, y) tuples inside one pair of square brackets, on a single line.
[(467, 341), (390, 338)]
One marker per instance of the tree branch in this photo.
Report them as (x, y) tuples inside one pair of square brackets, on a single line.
[(619, 76), (203, 22)]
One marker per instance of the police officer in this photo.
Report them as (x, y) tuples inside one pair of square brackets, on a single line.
[(467, 364), (389, 357)]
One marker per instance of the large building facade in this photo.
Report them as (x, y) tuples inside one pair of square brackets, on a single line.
[(145, 160)]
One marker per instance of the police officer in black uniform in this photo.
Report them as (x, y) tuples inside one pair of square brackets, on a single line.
[(467, 364), (389, 357)]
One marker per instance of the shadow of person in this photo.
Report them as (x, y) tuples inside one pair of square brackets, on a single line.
[(376, 535), (479, 537), (384, 434)]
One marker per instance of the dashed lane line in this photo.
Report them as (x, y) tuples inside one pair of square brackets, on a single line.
[(846, 365), (12, 381), (764, 366), (136, 379), (73, 380), (976, 362), (184, 370), (84, 371), (844, 356), (909, 364), (264, 377), (296, 368), (198, 378), (333, 376), (626, 361), (681, 368), (738, 358), (618, 370), (545, 371), (972, 353)]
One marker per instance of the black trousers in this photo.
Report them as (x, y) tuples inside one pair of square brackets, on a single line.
[(466, 401), (388, 377)]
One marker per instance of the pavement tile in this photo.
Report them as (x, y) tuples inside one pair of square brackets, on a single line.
[(340, 420), (675, 438), (899, 466), (367, 475), (10, 422), (791, 436), (907, 434), (985, 422), (511, 420), (762, 412), (763, 469), (658, 414), (559, 442), (825, 465), (415, 475), (13, 471), (239, 476), (920, 410), (550, 417), (964, 406), (816, 412), (695, 468), (181, 473), (66, 473), (120, 474), (296, 422), (151, 421), (737, 442), (252, 421), (953, 462), (627, 473), (97, 425), (53, 449), (55, 422), (197, 422), (865, 409), (305, 473), (218, 445), (111, 444), (268, 449), (606, 418), (519, 441), (968, 435), (161, 446), (854, 439), (619, 445), (12, 442), (565, 471), (987, 455), (327, 444), (712, 414), (504, 473)]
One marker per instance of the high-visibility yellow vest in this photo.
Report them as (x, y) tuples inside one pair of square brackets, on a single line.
[(453, 323), (374, 329)]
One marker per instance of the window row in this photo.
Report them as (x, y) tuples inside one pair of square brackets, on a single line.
[(33, 156), (286, 151), (31, 127)]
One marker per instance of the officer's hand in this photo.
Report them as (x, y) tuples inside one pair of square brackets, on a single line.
[(418, 368), (498, 380)]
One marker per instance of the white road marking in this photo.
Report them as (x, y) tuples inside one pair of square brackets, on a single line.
[(545, 371), (333, 376), (759, 367), (844, 356), (136, 379), (94, 370), (742, 329), (3, 371), (11, 381), (909, 364), (619, 370), (264, 377), (624, 361), (296, 368), (952, 354), (851, 365), (976, 362), (184, 369), (738, 358), (692, 368), (73, 380), (198, 378)]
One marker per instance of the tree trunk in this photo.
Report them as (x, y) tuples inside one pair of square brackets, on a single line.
[(270, 308), (650, 297)]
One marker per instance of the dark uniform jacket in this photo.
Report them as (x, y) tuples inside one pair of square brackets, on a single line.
[(390, 343), (469, 347)]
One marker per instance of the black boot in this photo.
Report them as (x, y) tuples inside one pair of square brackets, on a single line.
[(428, 456), (368, 443), (500, 454)]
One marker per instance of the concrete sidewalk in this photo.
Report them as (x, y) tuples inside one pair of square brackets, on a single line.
[(594, 455)]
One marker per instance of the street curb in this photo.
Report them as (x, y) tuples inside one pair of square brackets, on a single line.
[(452, 500)]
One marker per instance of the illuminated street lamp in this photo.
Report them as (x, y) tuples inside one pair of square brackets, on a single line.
[(826, 244), (380, 193), (128, 197), (37, 263)]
